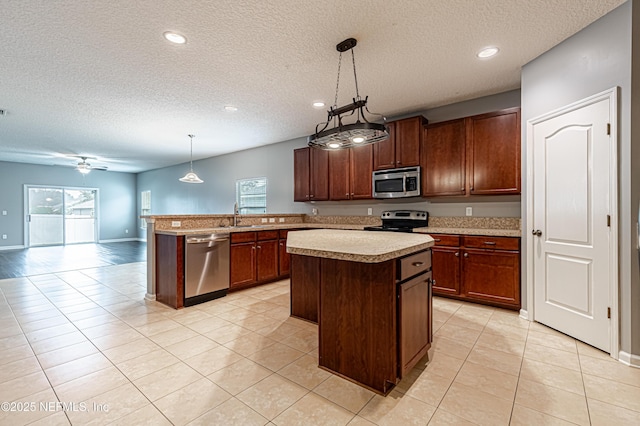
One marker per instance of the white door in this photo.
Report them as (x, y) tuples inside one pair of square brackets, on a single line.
[(572, 232)]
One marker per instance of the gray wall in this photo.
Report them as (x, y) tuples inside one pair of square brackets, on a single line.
[(593, 60), (217, 194), (117, 192)]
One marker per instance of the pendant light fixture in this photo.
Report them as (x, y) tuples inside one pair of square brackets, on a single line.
[(191, 177), (341, 135)]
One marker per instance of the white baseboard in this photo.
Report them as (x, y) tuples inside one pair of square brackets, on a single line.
[(629, 359), (120, 240), (150, 297), (11, 247), (524, 314)]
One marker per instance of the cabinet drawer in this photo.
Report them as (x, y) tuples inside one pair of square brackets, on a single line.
[(446, 240), (283, 233), (243, 237), (414, 264), (267, 235), (499, 243)]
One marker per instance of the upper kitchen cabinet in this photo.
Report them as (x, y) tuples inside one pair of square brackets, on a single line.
[(350, 173), (310, 174), (478, 155), (402, 149), (493, 150)]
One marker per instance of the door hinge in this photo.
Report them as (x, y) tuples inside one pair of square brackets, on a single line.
[(608, 128), (609, 221), (609, 313)]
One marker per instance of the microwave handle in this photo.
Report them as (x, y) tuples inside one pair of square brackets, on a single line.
[(404, 183)]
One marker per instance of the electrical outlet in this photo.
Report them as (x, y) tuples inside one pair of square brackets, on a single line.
[(469, 211), (272, 220), (263, 220), (4, 212), (126, 231), (314, 211), (4, 236), (281, 220), (369, 211), (175, 223)]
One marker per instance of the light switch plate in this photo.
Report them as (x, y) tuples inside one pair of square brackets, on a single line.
[(263, 220), (272, 220), (4, 236), (469, 211), (369, 211), (281, 220), (175, 223), (4, 212)]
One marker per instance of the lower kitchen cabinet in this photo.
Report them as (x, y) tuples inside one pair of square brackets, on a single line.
[(284, 258), (480, 269), (255, 258)]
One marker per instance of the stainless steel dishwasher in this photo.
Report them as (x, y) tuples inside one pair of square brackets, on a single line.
[(206, 268)]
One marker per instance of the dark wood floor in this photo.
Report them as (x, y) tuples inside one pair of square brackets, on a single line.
[(44, 260)]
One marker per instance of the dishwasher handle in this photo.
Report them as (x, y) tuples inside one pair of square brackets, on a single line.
[(195, 240)]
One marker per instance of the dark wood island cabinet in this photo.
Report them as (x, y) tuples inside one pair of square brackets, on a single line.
[(373, 311)]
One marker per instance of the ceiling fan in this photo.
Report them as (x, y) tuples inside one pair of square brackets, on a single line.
[(84, 167)]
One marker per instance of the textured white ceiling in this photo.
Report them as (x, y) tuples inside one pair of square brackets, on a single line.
[(98, 79)]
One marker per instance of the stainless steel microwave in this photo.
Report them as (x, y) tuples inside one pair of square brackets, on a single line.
[(396, 183)]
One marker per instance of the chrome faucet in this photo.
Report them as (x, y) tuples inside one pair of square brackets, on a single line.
[(235, 214)]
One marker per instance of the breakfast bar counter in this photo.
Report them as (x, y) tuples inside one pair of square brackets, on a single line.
[(370, 294)]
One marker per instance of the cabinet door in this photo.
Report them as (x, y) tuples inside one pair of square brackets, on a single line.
[(414, 308), (408, 134), (283, 258), (243, 264), (267, 260), (319, 175), (446, 270), (384, 153), (493, 142), (339, 187), (492, 276), (301, 158), (443, 159), (361, 172)]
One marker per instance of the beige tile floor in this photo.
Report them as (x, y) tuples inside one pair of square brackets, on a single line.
[(83, 347)]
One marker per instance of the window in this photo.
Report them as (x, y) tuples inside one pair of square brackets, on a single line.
[(145, 207), (251, 195)]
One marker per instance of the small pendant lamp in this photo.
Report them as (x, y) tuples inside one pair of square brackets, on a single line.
[(191, 177)]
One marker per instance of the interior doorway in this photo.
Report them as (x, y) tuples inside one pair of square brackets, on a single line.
[(60, 215)]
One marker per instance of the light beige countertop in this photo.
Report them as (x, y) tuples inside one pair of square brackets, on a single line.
[(469, 231), (356, 246)]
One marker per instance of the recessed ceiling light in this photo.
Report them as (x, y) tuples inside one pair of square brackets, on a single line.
[(488, 52), (175, 37), (318, 104), (230, 108)]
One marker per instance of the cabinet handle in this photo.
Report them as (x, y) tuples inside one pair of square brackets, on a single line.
[(433, 283), (311, 196), (347, 194), (466, 255), (259, 247), (537, 232), (490, 243), (457, 254), (471, 188), (462, 189), (352, 194), (437, 240), (416, 264), (253, 248), (281, 244)]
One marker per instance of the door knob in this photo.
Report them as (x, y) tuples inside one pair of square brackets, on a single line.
[(536, 232)]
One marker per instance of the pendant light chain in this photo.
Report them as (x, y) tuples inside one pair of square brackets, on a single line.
[(335, 102), (191, 153), (355, 76)]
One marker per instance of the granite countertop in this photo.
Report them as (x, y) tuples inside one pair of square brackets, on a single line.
[(356, 246), (265, 227), (469, 231)]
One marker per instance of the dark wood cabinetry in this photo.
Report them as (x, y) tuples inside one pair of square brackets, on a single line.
[(402, 149), (170, 270), (478, 268), (478, 155), (350, 172), (284, 258), (254, 258), (375, 320), (310, 174)]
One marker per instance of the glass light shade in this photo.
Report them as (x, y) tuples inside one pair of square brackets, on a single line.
[(84, 168), (191, 177)]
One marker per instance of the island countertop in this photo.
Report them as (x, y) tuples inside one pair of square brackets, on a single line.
[(356, 246)]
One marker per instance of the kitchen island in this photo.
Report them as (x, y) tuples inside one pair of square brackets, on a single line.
[(370, 294)]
